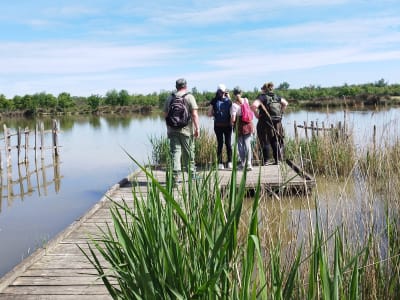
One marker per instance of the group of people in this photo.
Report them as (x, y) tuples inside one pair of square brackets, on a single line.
[(230, 116)]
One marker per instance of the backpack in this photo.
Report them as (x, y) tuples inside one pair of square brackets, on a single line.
[(222, 111), (178, 115), (247, 114), (273, 105)]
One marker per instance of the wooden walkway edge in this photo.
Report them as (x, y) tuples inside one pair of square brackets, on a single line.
[(60, 271)]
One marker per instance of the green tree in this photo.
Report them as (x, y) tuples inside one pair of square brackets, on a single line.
[(94, 102), (283, 86), (123, 98), (65, 101), (112, 98)]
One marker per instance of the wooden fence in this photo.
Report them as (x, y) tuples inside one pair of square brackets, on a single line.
[(30, 177), (320, 129), (24, 144)]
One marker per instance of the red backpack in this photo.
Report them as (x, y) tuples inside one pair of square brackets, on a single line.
[(247, 114)]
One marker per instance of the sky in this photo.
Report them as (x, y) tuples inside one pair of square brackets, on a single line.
[(90, 47)]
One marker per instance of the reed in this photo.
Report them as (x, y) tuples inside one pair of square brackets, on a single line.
[(196, 242), (327, 155)]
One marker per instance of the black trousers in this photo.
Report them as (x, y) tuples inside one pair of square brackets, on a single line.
[(270, 134), (224, 135)]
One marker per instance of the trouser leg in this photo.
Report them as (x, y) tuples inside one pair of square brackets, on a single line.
[(188, 153), (263, 141), (228, 142), (176, 152), (247, 146), (220, 142)]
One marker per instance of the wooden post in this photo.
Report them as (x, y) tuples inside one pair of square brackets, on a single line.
[(26, 144), (296, 137), (340, 135), (18, 144), (323, 128), (305, 130), (316, 126), (42, 139), (7, 144), (374, 138), (312, 128), (55, 137)]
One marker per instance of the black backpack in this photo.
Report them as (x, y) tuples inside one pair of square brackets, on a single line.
[(178, 114)]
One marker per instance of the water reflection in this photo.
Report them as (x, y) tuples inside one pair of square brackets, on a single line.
[(353, 206)]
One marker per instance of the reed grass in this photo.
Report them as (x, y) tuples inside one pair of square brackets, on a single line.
[(194, 242)]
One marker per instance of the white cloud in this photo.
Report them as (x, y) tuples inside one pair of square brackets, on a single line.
[(75, 58)]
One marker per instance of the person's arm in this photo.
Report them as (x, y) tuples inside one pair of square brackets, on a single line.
[(284, 103), (195, 119), (254, 107), (210, 111), (233, 115)]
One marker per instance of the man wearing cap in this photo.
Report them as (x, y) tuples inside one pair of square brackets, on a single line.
[(268, 109), (182, 139)]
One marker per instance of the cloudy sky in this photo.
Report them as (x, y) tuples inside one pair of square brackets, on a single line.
[(89, 47)]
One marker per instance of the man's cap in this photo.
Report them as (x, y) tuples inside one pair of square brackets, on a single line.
[(222, 87), (181, 83), (237, 90)]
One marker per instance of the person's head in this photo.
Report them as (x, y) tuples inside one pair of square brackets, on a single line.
[(181, 83), (222, 90), (267, 87), (237, 91)]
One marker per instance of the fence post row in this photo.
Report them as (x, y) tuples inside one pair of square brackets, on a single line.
[(39, 129)]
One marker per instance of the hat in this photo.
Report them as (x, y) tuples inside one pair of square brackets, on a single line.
[(222, 87), (180, 83), (237, 90)]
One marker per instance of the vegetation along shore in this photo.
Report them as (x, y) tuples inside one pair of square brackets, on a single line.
[(377, 93)]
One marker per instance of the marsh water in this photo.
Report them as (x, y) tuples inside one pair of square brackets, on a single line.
[(92, 158)]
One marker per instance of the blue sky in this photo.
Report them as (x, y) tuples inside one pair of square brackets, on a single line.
[(90, 47)]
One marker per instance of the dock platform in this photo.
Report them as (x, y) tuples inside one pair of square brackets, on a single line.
[(60, 271)]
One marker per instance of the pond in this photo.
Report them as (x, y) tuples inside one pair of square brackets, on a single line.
[(92, 159)]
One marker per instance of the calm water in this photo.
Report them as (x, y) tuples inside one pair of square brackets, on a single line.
[(92, 159)]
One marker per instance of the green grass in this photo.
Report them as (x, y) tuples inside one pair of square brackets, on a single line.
[(192, 242)]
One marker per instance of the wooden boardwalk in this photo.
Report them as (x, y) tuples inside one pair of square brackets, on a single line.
[(61, 271)]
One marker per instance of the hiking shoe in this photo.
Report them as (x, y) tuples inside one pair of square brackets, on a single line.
[(268, 163), (221, 167), (249, 168), (230, 165)]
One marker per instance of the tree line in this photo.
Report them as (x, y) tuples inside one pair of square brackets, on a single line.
[(379, 92)]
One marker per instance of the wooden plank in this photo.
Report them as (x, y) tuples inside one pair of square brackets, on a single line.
[(55, 297), (93, 290)]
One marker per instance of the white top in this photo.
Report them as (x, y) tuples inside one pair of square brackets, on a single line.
[(235, 108)]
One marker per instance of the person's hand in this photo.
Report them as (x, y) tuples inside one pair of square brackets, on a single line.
[(196, 133)]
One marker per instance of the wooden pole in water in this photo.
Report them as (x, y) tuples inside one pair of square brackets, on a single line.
[(7, 144), (26, 144), (42, 139), (18, 144), (55, 137), (305, 130), (312, 128), (296, 137), (374, 137)]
